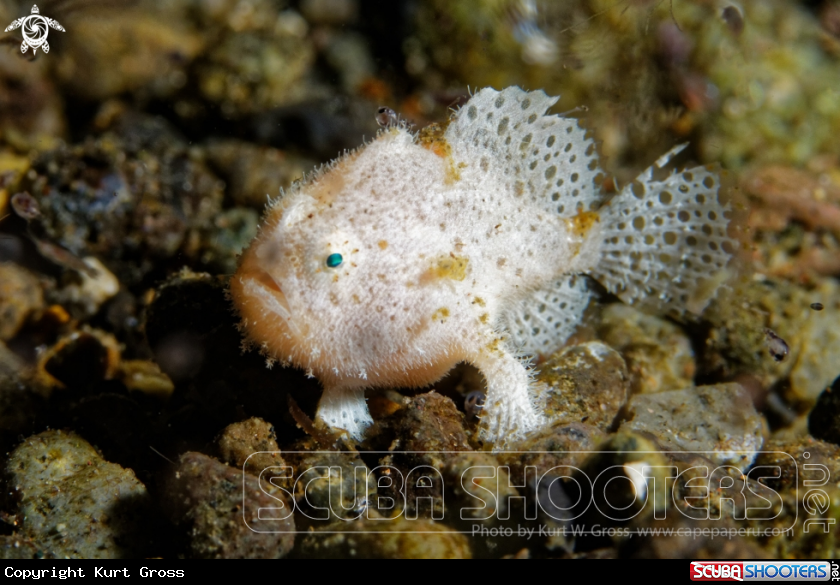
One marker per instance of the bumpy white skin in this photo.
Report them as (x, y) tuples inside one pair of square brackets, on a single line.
[(463, 248)]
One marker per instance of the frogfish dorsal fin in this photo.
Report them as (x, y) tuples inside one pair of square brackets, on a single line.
[(506, 137)]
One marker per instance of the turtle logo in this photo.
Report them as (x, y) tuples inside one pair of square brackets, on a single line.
[(35, 30)]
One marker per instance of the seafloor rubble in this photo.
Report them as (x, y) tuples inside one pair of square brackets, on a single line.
[(135, 159)]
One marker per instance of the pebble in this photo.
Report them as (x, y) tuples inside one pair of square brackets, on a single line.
[(250, 445), (429, 430), (80, 360), (20, 298), (803, 472), (556, 445), (658, 353), (93, 289), (719, 420), (208, 496), (73, 503), (586, 383), (331, 485), (814, 366)]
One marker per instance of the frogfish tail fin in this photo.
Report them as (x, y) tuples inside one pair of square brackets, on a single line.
[(665, 243)]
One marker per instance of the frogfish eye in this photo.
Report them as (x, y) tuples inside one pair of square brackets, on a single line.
[(334, 260)]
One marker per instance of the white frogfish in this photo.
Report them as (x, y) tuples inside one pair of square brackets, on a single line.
[(466, 243)]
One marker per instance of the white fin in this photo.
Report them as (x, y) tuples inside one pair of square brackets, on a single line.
[(345, 408), (547, 317), (506, 136), (664, 239), (509, 412)]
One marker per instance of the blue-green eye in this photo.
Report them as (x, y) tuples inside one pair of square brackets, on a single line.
[(334, 260)]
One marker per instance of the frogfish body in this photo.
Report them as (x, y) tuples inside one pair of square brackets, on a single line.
[(466, 244)]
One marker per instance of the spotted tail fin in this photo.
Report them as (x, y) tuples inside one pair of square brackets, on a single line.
[(664, 242)]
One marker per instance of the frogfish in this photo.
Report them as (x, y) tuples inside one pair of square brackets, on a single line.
[(470, 242)]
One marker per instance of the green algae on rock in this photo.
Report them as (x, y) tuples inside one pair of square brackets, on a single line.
[(585, 383), (738, 319), (73, 503), (737, 339), (250, 445), (258, 59), (396, 539), (13, 548), (650, 72), (818, 334)]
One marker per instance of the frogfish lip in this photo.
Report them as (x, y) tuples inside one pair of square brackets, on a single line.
[(276, 300)]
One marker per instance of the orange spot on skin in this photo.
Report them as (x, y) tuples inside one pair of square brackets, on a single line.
[(431, 138), (580, 224), (452, 266), (440, 315)]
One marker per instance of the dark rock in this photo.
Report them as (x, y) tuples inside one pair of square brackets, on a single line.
[(428, 433), (134, 197), (824, 420), (331, 485), (221, 506)]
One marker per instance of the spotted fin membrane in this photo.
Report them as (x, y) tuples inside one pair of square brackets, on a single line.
[(662, 240), (547, 159), (548, 317), (552, 164)]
